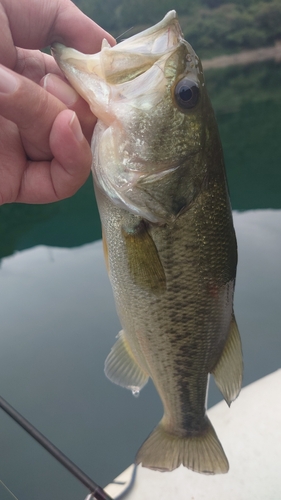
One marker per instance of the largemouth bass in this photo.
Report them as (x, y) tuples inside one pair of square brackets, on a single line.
[(168, 234)]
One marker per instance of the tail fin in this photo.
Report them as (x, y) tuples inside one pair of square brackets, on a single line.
[(201, 452)]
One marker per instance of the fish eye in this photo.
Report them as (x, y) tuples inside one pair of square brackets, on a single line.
[(186, 94)]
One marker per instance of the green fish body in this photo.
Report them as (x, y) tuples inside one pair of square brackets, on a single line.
[(168, 234)]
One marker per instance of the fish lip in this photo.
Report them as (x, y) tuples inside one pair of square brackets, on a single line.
[(166, 33), (62, 53), (170, 18), (164, 23), (54, 48)]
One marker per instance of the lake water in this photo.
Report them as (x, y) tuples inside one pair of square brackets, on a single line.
[(58, 320)]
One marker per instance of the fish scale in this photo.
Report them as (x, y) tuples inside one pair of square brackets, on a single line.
[(158, 314)]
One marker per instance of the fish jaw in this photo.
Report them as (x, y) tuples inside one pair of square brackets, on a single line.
[(128, 87)]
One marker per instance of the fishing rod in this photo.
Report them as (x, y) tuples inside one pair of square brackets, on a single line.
[(96, 491)]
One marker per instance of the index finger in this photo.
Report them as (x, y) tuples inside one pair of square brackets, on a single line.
[(33, 25)]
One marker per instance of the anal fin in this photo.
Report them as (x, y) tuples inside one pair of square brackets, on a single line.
[(228, 372), (121, 367)]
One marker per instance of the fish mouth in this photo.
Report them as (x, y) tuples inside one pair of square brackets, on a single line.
[(92, 75), (132, 56)]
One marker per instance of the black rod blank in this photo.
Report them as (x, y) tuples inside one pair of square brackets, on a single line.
[(96, 490)]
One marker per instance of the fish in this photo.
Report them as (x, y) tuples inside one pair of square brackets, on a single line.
[(168, 235)]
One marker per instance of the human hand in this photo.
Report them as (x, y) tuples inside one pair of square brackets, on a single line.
[(44, 151)]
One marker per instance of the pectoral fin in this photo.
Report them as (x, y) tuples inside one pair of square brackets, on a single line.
[(228, 371), (122, 368), (144, 263)]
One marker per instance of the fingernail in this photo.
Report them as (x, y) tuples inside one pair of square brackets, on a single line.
[(60, 89), (75, 127), (8, 82)]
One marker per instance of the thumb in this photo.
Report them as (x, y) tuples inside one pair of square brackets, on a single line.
[(46, 182), (32, 109)]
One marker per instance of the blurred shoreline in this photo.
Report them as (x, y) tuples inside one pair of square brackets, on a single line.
[(245, 57)]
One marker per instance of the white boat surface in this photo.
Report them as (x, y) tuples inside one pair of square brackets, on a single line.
[(250, 432)]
